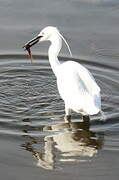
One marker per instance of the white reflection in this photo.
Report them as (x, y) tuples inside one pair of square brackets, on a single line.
[(69, 142)]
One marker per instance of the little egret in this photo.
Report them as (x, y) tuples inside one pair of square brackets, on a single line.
[(75, 83)]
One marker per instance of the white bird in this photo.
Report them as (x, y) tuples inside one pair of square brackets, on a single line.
[(76, 85)]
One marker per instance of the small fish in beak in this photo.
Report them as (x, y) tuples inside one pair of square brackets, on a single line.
[(27, 48), (29, 44)]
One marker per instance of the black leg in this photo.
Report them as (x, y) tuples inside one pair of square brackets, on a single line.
[(86, 118), (67, 118)]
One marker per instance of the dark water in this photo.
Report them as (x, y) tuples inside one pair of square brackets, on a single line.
[(35, 143)]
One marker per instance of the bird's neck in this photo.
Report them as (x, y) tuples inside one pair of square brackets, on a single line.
[(53, 52)]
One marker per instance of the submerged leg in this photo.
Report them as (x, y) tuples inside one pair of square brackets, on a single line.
[(67, 116), (86, 118)]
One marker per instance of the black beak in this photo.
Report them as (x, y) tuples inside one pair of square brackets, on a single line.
[(32, 42)]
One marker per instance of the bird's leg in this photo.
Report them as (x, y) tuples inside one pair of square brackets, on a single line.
[(67, 116), (86, 118)]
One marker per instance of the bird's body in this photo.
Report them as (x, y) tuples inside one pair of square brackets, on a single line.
[(78, 89), (75, 83)]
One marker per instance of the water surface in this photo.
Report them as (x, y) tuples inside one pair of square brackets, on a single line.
[(34, 140)]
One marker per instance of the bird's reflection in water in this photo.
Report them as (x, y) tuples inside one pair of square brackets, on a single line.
[(73, 141)]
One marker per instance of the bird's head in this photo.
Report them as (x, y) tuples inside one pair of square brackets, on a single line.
[(49, 33)]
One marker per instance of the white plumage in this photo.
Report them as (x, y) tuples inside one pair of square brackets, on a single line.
[(76, 85), (78, 88)]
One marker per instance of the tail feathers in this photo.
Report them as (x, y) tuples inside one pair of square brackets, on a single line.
[(92, 104), (92, 111), (89, 106), (87, 109)]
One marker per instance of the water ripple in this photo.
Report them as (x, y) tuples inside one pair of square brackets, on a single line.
[(29, 100)]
